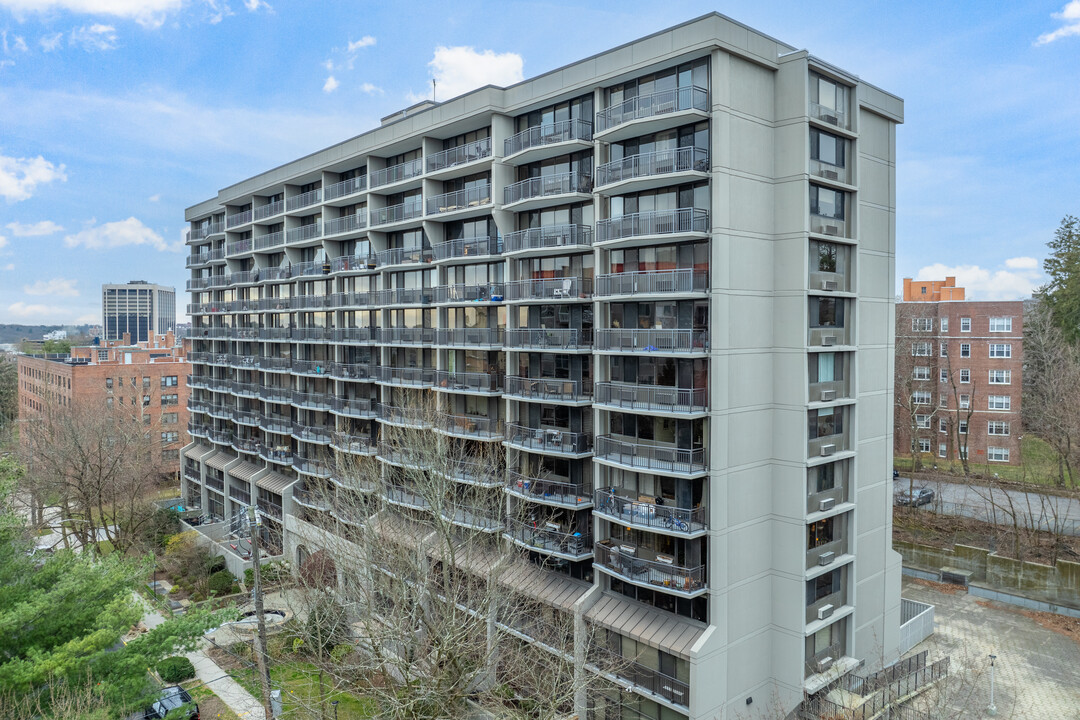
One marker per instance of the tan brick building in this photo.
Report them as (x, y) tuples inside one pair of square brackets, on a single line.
[(149, 376), (959, 374)]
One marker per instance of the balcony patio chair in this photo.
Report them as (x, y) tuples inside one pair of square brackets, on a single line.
[(565, 290)]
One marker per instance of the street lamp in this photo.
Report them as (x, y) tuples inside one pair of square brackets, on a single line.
[(334, 703), (991, 710)]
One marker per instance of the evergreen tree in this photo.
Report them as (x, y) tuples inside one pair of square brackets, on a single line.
[(1062, 265)]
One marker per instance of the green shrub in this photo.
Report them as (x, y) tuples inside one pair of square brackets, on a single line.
[(175, 669), (221, 582)]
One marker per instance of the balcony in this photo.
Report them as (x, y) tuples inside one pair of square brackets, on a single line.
[(550, 441), (542, 240), (469, 248), (462, 293), (350, 300), (311, 302), (311, 401), (304, 233), (646, 171), (408, 416), (638, 455), (352, 371), (269, 508), (470, 337), (196, 259), (246, 277), (219, 437), (310, 466), (406, 377), (662, 341), (239, 247), (198, 381), (547, 190), (547, 141), (549, 289), (303, 200), (663, 283), (310, 500), (837, 117), (355, 335), (647, 114), (268, 210), (396, 173), (311, 334), (828, 171), (404, 256), (198, 429), (245, 444), (345, 187), (346, 224), (311, 268), (273, 334), (473, 427), (569, 546), (476, 199), (549, 339), (556, 390), (238, 219), (646, 228), (652, 398), (246, 417), (278, 454), (275, 394), (353, 263), (551, 490), (269, 241), (486, 475), (647, 515), (474, 383), (634, 674), (270, 363), (311, 433), (397, 213), (826, 553), (460, 155), (352, 407), (398, 495), (404, 296), (648, 569), (279, 424), (407, 336), (352, 444)]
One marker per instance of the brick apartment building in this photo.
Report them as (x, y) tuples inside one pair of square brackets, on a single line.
[(112, 375), (959, 373)]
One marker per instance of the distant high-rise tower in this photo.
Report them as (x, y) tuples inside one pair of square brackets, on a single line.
[(139, 308)]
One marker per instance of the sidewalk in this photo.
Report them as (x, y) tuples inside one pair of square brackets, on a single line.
[(239, 700)]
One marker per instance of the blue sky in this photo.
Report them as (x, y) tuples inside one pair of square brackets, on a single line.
[(115, 115)]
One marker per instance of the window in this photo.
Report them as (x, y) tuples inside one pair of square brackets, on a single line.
[(997, 427), (145, 400), (943, 375), (826, 422), (108, 402), (102, 355), (943, 400), (965, 350), (1000, 350), (108, 383), (961, 427), (965, 376), (1001, 324), (943, 425), (170, 400), (922, 422), (999, 402), (826, 202), (168, 381), (146, 383), (827, 148), (997, 454), (942, 450), (965, 324), (921, 372), (944, 323), (920, 397), (170, 454), (826, 312), (924, 445), (965, 402), (169, 437), (921, 349), (922, 324), (944, 349), (1001, 377), (169, 418)]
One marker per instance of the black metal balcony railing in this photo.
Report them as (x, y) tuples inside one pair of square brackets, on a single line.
[(470, 426), (460, 155), (548, 440), (352, 371), (548, 389), (468, 247), (353, 263), (657, 222), (470, 337), (554, 289), (404, 415), (311, 401), (459, 200), (659, 458), (407, 376), (549, 338), (311, 433), (396, 173), (480, 382), (353, 406), (310, 499), (549, 490), (652, 164), (245, 444), (652, 398), (549, 134), (558, 184), (661, 573), (359, 335), (311, 466), (221, 437), (276, 454), (279, 424), (671, 689), (653, 282), (573, 545), (407, 336), (550, 237), (274, 393), (652, 105), (346, 187), (404, 296), (352, 444), (666, 340), (628, 511)]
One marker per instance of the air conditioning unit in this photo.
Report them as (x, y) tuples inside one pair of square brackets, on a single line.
[(830, 174), (828, 395), (824, 611), (826, 558), (828, 285), (823, 664), (826, 504), (827, 450), (828, 340), (831, 229)]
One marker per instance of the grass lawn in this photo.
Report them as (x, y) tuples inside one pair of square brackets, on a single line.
[(1038, 464), (299, 685), (211, 707)]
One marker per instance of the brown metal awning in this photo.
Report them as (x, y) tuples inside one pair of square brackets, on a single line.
[(245, 471), (658, 629), (275, 482), (198, 452), (220, 460)]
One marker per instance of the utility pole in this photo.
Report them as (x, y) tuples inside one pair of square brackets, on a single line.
[(254, 524)]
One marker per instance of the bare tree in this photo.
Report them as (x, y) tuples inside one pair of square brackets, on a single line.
[(964, 410), (916, 373)]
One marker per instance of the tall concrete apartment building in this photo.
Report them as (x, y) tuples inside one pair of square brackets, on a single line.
[(138, 308), (662, 278), (959, 375)]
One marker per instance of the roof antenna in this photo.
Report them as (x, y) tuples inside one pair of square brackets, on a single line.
[(432, 89)]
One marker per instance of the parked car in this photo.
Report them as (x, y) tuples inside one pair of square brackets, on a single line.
[(914, 498), (173, 698), (895, 474)]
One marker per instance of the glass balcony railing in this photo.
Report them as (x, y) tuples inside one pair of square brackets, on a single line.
[(549, 134), (550, 237), (831, 115), (646, 224), (653, 282), (652, 398), (460, 155), (652, 164), (548, 185), (662, 102), (651, 457)]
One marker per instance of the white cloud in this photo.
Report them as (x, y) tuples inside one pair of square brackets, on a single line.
[(1070, 16), (330, 85), (3, 241), (117, 234), (6, 63), (57, 287), (366, 41), (371, 89), (20, 176), (457, 70), (45, 227), (9, 266), (50, 314), (94, 37), (156, 197), (1017, 282), (149, 13), (52, 42), (253, 5), (20, 43)]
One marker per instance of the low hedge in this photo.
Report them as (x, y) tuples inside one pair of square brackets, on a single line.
[(175, 669)]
